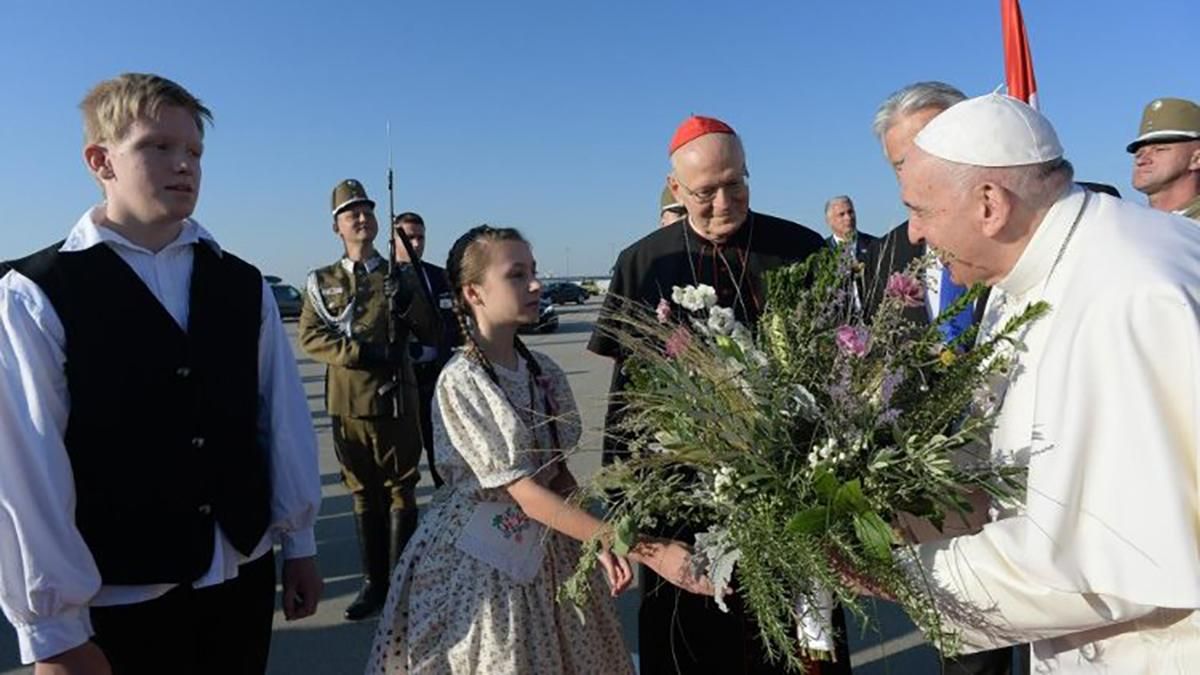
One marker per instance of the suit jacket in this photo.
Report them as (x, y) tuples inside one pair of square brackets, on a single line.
[(894, 253), (443, 300), (862, 242)]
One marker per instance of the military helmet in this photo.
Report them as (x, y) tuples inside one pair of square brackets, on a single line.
[(348, 193), (1165, 120)]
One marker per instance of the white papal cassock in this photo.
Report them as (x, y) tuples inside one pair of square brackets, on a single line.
[(1100, 569)]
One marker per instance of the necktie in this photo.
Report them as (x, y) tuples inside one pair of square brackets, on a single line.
[(949, 293)]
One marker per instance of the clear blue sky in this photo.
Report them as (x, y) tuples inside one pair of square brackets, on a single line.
[(549, 116)]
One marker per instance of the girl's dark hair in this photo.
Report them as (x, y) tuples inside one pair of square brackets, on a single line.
[(466, 264)]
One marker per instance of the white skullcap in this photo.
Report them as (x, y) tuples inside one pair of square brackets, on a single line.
[(993, 130)]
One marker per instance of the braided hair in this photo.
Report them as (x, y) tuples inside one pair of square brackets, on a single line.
[(466, 265)]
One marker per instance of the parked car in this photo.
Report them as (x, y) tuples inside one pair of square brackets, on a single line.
[(547, 318), (565, 291), (590, 286), (289, 300)]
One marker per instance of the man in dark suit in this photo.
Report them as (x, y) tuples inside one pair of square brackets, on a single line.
[(843, 225), (897, 123), (428, 360)]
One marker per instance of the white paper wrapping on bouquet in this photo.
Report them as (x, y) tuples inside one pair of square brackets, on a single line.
[(814, 622)]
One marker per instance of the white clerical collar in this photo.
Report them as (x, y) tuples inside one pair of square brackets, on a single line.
[(89, 231), (1039, 255), (370, 263)]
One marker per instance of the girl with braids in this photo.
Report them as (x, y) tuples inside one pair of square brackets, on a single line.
[(474, 591)]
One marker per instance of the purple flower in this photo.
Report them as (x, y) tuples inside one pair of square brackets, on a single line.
[(853, 340), (905, 288), (678, 342), (891, 380), (663, 311), (839, 391)]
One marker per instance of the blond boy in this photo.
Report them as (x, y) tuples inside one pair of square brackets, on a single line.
[(155, 437)]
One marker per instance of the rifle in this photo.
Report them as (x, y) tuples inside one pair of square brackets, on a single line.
[(393, 387)]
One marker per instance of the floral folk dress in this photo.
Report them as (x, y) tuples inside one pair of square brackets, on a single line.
[(450, 612)]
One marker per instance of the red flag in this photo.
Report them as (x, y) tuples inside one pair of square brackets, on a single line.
[(1018, 62)]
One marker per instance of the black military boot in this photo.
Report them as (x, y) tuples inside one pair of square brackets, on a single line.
[(403, 525), (373, 542)]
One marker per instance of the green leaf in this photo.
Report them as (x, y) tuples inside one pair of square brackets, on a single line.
[(825, 484), (624, 536), (850, 498), (809, 521), (875, 535)]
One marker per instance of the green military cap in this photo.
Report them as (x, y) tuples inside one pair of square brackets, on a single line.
[(347, 193), (668, 202), (1166, 120)]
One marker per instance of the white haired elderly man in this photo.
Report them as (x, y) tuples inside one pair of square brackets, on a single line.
[(897, 122), (1099, 567)]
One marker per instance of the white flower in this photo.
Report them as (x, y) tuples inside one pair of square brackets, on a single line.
[(723, 483), (694, 298), (826, 449), (720, 320), (681, 296), (742, 337), (758, 358)]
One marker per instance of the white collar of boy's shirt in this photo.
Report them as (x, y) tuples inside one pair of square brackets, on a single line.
[(370, 263), (89, 231)]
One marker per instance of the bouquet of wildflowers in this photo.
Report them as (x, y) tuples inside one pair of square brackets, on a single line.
[(792, 446)]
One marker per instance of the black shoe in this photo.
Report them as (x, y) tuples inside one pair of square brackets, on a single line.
[(373, 543)]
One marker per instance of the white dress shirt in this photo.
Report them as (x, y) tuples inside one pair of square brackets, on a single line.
[(48, 578), (1099, 568)]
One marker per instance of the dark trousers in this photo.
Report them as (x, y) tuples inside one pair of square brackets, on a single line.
[(218, 630), (687, 634), (427, 375), (993, 662)]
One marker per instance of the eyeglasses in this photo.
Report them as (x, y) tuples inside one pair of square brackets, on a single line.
[(736, 189)]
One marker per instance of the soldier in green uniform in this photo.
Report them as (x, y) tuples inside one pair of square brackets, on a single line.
[(1166, 156), (370, 390)]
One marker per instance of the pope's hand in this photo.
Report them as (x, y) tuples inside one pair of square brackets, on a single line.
[(672, 561)]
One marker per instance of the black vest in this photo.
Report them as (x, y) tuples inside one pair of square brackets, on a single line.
[(162, 428)]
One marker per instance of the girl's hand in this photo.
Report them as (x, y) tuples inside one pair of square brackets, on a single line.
[(616, 570)]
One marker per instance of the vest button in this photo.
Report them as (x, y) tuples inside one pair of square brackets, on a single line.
[(198, 442), (183, 371), (205, 509)]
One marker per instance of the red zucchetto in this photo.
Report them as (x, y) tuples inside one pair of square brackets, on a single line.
[(694, 127)]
